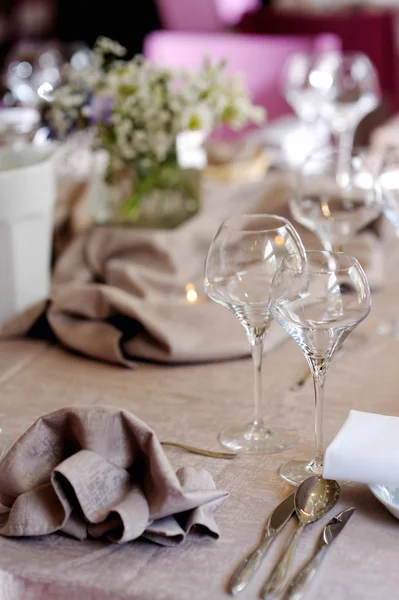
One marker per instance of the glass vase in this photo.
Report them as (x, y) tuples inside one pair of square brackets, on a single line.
[(162, 197)]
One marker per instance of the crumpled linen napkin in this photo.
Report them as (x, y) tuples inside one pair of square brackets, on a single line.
[(118, 293), (365, 450), (99, 471)]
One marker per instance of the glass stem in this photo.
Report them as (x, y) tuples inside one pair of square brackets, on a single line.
[(330, 246), (257, 338), (319, 368), (345, 146)]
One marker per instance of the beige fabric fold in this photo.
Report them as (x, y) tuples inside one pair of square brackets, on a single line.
[(98, 471), (119, 293)]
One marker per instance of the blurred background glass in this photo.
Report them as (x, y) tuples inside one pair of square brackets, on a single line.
[(334, 204), (37, 39), (337, 88), (33, 69)]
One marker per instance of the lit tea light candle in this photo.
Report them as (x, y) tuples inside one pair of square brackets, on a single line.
[(191, 293)]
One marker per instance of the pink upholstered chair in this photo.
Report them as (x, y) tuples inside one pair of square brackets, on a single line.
[(259, 57), (203, 15)]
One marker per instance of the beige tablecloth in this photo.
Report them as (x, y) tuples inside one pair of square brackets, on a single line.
[(191, 404)]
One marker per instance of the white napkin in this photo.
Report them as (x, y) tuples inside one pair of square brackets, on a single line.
[(365, 450)]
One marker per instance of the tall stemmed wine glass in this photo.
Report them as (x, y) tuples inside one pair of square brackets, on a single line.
[(337, 87), (311, 131), (319, 299), (347, 89), (242, 260), (296, 87), (334, 204)]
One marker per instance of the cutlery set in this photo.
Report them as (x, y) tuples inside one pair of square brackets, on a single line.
[(313, 499)]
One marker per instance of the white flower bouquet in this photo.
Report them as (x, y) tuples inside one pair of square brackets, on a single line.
[(137, 109)]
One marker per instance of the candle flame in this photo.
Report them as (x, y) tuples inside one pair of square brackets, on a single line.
[(325, 209), (191, 293)]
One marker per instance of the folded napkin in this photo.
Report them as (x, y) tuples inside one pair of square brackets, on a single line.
[(98, 471), (365, 450)]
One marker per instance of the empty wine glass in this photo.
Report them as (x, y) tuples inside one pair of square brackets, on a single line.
[(297, 88), (339, 87), (347, 89), (241, 262), (389, 181), (319, 299), (335, 204), (309, 131)]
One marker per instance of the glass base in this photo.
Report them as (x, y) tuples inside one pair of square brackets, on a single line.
[(253, 439), (389, 329), (296, 471)]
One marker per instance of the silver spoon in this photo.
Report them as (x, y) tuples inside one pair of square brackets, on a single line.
[(194, 450), (313, 499)]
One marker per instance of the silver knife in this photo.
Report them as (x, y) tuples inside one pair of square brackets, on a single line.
[(246, 569), (305, 575)]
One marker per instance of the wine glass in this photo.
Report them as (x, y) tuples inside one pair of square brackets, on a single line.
[(389, 180), (338, 87), (310, 131), (347, 89), (335, 204), (240, 265), (297, 88), (319, 299)]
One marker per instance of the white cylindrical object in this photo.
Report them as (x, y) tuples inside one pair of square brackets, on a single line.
[(27, 198)]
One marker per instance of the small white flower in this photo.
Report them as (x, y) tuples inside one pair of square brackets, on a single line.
[(198, 116)]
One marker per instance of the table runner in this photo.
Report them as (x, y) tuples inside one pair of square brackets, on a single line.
[(119, 294)]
